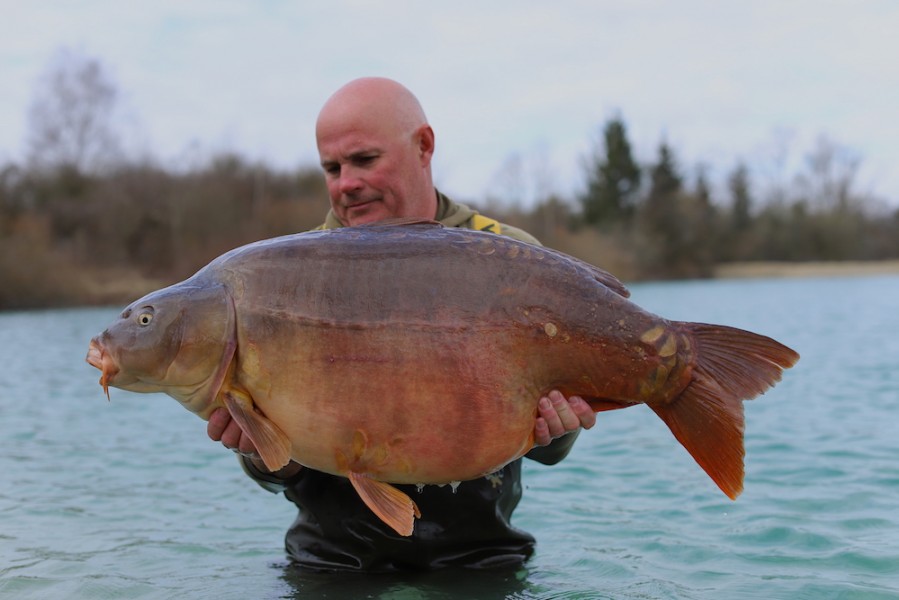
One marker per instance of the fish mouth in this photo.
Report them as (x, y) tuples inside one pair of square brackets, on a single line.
[(98, 357)]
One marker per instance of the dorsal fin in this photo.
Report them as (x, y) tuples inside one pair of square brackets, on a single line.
[(402, 221), (599, 274)]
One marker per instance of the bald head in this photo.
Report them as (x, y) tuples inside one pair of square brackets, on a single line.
[(373, 100), (375, 146)]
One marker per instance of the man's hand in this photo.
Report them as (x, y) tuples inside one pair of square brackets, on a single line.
[(559, 416), (222, 428)]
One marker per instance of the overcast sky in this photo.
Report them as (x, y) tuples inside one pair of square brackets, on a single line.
[(721, 81)]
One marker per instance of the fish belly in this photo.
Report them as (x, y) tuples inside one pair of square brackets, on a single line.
[(404, 406)]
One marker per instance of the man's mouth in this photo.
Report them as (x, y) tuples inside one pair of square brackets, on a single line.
[(359, 203)]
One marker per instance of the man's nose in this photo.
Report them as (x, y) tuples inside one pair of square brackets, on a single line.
[(349, 182)]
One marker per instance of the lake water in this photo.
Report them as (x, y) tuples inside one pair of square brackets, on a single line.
[(130, 499)]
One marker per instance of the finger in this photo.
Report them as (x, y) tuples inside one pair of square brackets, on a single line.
[(217, 423), (542, 436), (585, 414), (548, 412), (246, 446), (568, 420), (231, 436)]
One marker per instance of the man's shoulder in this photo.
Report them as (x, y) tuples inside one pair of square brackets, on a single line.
[(480, 222), (519, 234), (456, 214)]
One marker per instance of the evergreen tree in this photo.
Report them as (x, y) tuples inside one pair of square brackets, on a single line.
[(659, 210), (613, 178), (741, 199), (702, 228), (664, 177), (739, 226), (660, 221)]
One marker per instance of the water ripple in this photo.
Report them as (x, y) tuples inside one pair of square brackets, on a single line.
[(129, 499)]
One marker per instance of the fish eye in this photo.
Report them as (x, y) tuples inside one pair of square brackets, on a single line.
[(144, 318)]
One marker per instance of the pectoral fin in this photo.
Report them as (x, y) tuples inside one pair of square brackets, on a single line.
[(271, 443), (392, 506)]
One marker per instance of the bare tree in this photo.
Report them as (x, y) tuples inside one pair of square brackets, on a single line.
[(509, 182), (828, 182), (71, 118)]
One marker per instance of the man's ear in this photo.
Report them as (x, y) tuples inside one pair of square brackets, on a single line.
[(425, 140)]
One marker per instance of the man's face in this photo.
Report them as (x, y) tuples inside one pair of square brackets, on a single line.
[(375, 173)]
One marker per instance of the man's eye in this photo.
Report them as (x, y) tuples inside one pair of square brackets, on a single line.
[(333, 170), (364, 160)]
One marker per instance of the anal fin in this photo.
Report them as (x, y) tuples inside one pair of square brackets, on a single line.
[(391, 505), (271, 443)]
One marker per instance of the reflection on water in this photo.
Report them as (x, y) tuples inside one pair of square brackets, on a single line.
[(449, 584)]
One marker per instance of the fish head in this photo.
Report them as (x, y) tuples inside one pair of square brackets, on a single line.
[(178, 340)]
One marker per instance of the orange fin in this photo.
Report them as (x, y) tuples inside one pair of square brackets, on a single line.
[(392, 506), (732, 365), (271, 443)]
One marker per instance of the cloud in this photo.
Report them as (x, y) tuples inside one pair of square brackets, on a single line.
[(495, 78)]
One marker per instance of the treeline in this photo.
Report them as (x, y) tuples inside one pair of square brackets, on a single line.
[(68, 237), (654, 221), (82, 223)]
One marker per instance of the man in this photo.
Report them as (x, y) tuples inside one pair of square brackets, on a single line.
[(376, 147)]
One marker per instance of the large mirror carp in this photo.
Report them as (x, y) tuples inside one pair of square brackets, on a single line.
[(414, 353)]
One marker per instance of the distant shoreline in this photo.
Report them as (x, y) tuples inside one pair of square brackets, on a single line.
[(746, 270)]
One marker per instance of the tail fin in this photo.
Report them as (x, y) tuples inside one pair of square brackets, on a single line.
[(732, 365)]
